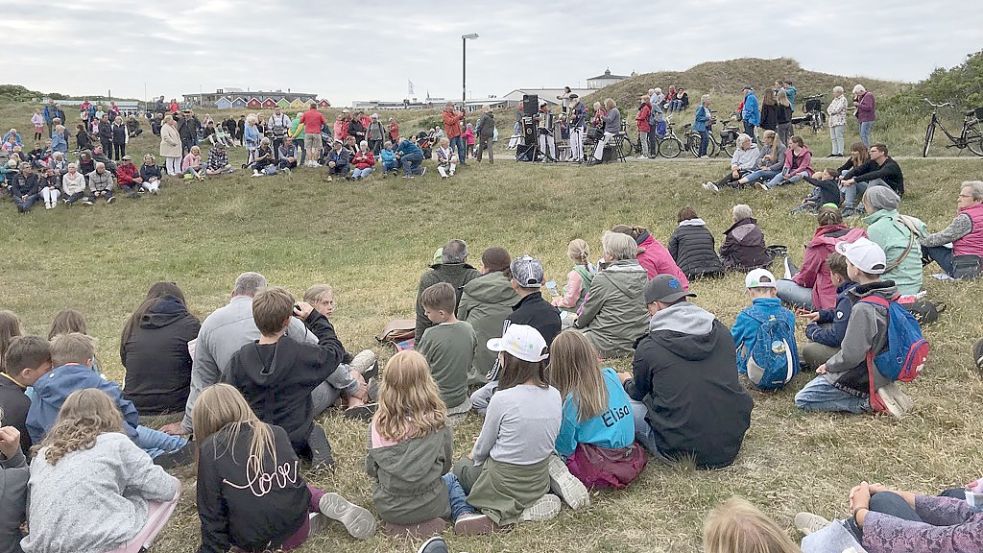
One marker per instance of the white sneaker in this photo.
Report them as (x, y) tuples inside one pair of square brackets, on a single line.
[(711, 187), (808, 523), (257, 173), (544, 508), (566, 485), (357, 520), (761, 185), (364, 361), (897, 402)]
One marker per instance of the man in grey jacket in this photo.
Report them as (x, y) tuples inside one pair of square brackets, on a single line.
[(14, 474)]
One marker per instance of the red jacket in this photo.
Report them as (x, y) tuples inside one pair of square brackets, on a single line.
[(364, 160), (126, 173), (452, 123), (394, 132), (173, 107), (642, 119), (814, 272)]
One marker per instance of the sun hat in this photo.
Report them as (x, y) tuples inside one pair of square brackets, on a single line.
[(864, 255), (760, 278), (522, 342)]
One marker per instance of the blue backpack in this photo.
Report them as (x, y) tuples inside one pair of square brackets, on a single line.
[(771, 366), (906, 351)]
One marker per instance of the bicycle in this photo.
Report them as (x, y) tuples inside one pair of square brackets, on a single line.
[(814, 116), (969, 136), (669, 146), (725, 141)]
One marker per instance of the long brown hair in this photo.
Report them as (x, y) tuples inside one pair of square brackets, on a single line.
[(220, 406), (859, 154), (516, 371), (66, 321), (409, 400), (84, 415), (9, 329), (573, 370), (157, 291)]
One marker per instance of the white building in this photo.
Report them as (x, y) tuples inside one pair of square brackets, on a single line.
[(607, 79)]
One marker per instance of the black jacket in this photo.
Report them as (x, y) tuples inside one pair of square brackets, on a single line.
[(156, 358), (187, 128), (105, 131), (25, 185), (694, 249), (119, 134), (15, 404), (533, 310), (277, 379), (783, 115), (83, 140), (769, 117), (232, 506), (684, 372), (829, 191), (890, 172)]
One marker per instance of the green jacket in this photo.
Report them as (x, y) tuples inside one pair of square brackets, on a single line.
[(614, 315), (887, 229), (409, 488), (457, 274), (485, 303)]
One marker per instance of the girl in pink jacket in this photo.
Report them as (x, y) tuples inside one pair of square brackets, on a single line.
[(798, 164), (652, 255)]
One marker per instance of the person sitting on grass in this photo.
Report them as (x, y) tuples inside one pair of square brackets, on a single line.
[(692, 247), (27, 359), (238, 506), (825, 191), (964, 233), (742, 163), (15, 474), (842, 384), (191, 164), (651, 254), (797, 166), (765, 306), (364, 162), (486, 301), (744, 242), (411, 157), (50, 188), (71, 356), (771, 161), (597, 434), (446, 159), (578, 279), (25, 188), (218, 161), (884, 520), (827, 327), (449, 348), (338, 161), (130, 181), (101, 184), (287, 154), (736, 526), (150, 174), (263, 159), (410, 455), (92, 488), (507, 474), (898, 236), (72, 184), (388, 157), (277, 376)]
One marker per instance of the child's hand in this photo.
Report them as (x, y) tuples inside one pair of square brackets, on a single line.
[(974, 485), (9, 441), (302, 310), (811, 316)]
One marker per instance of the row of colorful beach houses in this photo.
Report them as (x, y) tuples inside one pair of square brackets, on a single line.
[(236, 99)]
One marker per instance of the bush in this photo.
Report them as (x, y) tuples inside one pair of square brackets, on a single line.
[(962, 85)]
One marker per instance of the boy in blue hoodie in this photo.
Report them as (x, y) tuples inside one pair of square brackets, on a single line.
[(827, 327), (389, 162), (762, 287), (72, 355)]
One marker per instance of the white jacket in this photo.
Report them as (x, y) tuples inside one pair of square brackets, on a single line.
[(837, 112), (72, 186)]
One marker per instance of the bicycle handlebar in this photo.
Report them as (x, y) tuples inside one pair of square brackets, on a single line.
[(814, 96), (942, 105)]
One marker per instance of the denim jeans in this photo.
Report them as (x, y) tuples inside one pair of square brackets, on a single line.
[(820, 395), (704, 143), (643, 432), (836, 137), (457, 143), (749, 130), (457, 497), (939, 254), (851, 193), (761, 174), (156, 443), (362, 173), (781, 180), (792, 293), (865, 129), (327, 393), (25, 204), (411, 164)]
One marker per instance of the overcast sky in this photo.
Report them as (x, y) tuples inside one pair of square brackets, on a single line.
[(370, 49)]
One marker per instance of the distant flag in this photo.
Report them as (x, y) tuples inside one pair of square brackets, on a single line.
[(411, 87)]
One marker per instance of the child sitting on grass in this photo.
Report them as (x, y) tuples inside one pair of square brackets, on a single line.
[(277, 376), (827, 327), (251, 495), (765, 307), (27, 359), (507, 474), (388, 156), (14, 474), (736, 526), (843, 382), (448, 347), (92, 489), (446, 159), (578, 279), (71, 356), (191, 164), (826, 190), (410, 453)]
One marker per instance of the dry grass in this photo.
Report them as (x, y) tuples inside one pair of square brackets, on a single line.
[(371, 240)]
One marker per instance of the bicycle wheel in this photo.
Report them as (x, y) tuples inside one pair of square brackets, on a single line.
[(671, 148), (712, 149), (974, 141), (728, 148), (627, 148), (693, 144), (929, 134)]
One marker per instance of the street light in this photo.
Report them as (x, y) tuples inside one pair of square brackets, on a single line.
[(464, 66)]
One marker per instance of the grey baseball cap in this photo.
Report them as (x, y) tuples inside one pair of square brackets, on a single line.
[(528, 272), (667, 289)]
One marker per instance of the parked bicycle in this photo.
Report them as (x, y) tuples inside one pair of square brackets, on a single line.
[(668, 146), (725, 141), (969, 136), (814, 115)]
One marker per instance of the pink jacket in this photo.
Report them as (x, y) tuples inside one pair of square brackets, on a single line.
[(803, 163), (656, 260), (814, 272)]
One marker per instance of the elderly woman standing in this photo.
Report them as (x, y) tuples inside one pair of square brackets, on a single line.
[(170, 146), (865, 108), (898, 235), (965, 232), (837, 120), (612, 126), (251, 137), (614, 315)]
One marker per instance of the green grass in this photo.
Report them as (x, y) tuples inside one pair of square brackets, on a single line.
[(371, 240)]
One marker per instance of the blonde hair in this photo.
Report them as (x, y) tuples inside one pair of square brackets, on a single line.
[(68, 320), (610, 104), (573, 370), (781, 98), (84, 415), (9, 329), (221, 406), (736, 526), (409, 401), (316, 291), (73, 347), (578, 251)]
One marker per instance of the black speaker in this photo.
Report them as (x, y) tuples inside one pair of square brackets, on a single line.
[(530, 104), (530, 135)]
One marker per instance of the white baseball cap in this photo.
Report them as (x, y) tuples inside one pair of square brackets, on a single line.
[(760, 278), (521, 341), (864, 255)]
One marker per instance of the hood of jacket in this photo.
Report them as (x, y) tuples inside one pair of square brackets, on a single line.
[(693, 223), (412, 460), (493, 287), (741, 229), (685, 329), (829, 235), (61, 381), (884, 288), (166, 311)]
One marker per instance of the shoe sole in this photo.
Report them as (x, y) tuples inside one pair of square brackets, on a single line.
[(357, 520), (890, 396), (545, 508), (474, 526), (564, 484), (361, 413)]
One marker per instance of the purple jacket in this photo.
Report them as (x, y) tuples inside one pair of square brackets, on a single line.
[(951, 526), (866, 108)]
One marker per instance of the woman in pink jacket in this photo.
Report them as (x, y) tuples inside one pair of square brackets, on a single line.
[(798, 165), (652, 255)]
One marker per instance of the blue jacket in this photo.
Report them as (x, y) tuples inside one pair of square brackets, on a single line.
[(612, 429), (58, 143), (408, 147), (250, 135), (830, 329), (751, 113), (790, 92), (341, 158), (388, 158), (53, 388), (702, 121), (745, 328)]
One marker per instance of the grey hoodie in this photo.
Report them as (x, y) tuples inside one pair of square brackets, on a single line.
[(686, 318), (14, 474), (866, 331)]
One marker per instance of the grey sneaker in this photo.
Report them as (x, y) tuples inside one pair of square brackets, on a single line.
[(566, 485), (473, 524), (808, 523), (544, 508), (364, 361), (357, 520), (435, 544), (897, 402)]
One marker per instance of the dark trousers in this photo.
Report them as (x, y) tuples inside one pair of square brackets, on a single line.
[(704, 143), (887, 503), (119, 150), (375, 146), (939, 254), (277, 142), (107, 147), (485, 144), (411, 164), (729, 179), (71, 199), (749, 130), (24, 204)]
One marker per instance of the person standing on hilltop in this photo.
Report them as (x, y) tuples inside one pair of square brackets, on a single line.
[(865, 108), (452, 128)]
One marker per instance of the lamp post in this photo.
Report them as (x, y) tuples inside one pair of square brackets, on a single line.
[(464, 66)]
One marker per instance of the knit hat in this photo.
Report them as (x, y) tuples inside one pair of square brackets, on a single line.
[(882, 197), (522, 342)]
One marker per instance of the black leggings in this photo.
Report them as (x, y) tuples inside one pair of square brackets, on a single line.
[(119, 150), (888, 503)]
